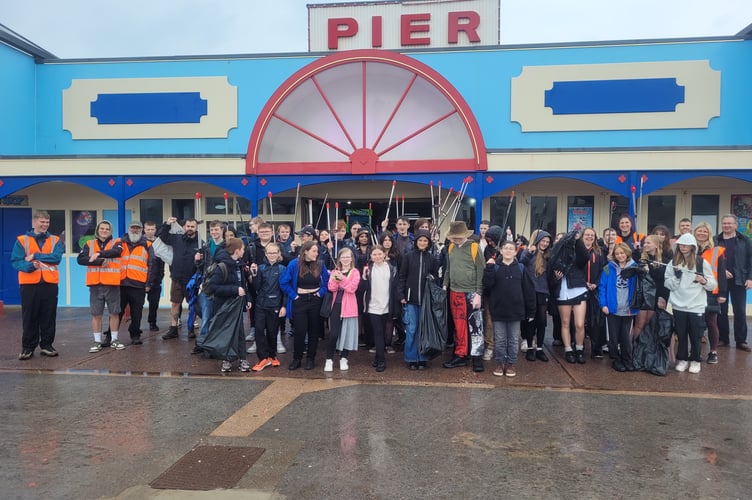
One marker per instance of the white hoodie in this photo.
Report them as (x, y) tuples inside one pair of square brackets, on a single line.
[(686, 294)]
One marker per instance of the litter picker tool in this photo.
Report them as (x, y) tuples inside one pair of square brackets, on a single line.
[(326, 196), (509, 209), (297, 201), (197, 206), (271, 211), (389, 205)]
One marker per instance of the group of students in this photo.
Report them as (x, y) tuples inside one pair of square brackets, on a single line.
[(367, 287), (375, 286), (610, 288), (369, 280)]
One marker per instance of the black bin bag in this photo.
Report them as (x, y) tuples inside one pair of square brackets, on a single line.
[(651, 350), (432, 326), (224, 331)]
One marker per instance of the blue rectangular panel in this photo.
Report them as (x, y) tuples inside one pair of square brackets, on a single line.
[(156, 107), (644, 95)]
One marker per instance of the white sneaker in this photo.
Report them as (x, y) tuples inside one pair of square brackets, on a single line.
[(281, 349), (251, 349), (694, 367), (329, 365), (226, 366), (343, 364), (245, 366), (523, 347), (681, 366), (487, 355)]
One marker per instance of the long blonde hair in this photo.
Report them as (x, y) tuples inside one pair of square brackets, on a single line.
[(658, 248), (707, 244)]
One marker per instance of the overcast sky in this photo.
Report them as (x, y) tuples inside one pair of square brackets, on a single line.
[(107, 28)]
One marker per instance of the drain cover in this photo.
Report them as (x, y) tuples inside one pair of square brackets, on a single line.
[(208, 468)]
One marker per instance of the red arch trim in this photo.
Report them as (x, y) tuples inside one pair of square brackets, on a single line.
[(479, 162)]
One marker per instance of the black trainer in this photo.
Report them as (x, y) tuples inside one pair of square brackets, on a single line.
[(456, 362), (530, 354), (478, 364), (580, 355), (25, 355), (540, 355), (153, 327), (569, 357), (172, 333), (49, 352)]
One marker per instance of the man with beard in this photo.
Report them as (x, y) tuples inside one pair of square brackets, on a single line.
[(185, 253), (134, 275)]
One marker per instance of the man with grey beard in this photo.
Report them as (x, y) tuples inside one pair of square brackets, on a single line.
[(134, 275)]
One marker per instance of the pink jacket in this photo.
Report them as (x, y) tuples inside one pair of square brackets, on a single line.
[(349, 285)]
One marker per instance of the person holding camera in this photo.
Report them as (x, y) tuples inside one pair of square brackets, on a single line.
[(343, 318), (568, 280)]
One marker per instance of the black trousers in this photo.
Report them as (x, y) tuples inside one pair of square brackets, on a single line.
[(38, 315), (267, 327), (738, 296), (153, 297), (306, 320), (133, 297), (379, 329), (536, 329), (689, 329), (620, 341)]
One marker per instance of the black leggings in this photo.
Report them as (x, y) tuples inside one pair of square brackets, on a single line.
[(537, 328)]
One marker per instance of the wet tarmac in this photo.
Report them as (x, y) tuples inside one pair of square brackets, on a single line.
[(108, 424)]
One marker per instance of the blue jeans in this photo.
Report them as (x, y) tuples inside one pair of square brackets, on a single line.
[(410, 319), (207, 307), (507, 339)]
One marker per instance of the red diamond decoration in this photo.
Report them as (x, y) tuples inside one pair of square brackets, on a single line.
[(244, 181), (489, 179), (129, 182), (111, 182), (262, 182), (622, 178)]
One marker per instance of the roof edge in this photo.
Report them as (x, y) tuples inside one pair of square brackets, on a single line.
[(13, 39)]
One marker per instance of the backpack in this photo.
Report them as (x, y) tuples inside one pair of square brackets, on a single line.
[(210, 270), (473, 250)]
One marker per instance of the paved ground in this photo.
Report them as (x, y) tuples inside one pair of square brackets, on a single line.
[(108, 424)]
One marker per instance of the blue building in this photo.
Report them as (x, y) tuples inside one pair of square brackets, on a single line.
[(566, 134)]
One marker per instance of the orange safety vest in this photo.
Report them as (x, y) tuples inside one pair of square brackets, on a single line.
[(711, 256), (636, 237), (106, 274), (46, 272), (135, 265)]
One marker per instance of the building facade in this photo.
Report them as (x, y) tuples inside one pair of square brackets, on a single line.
[(552, 136)]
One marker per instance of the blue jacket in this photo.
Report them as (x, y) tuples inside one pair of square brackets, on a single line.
[(607, 287), (288, 282)]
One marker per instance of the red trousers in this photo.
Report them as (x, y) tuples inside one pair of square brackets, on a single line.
[(458, 309)]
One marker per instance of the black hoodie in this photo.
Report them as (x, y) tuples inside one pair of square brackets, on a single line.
[(415, 266), (224, 286)]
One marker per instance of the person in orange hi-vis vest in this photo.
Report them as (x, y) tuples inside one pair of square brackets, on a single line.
[(101, 256), (36, 256), (134, 277)]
